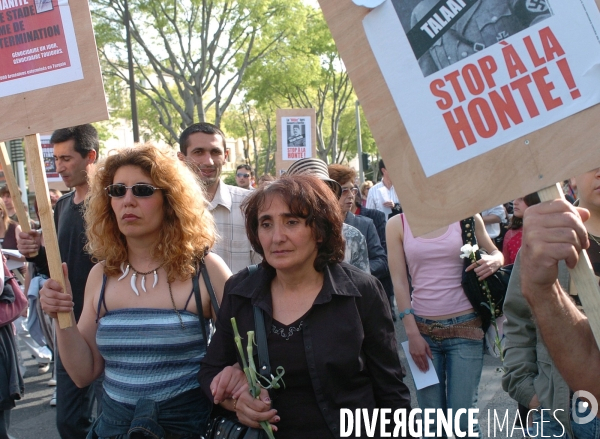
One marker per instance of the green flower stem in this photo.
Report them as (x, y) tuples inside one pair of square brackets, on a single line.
[(249, 368)]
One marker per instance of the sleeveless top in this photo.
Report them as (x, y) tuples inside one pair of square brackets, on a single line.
[(147, 353), (436, 268)]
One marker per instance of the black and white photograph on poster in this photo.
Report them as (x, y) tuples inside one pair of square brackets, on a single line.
[(296, 138), (444, 32)]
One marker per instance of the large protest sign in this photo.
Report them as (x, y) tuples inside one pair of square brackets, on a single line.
[(50, 75), (437, 182), (37, 39), (49, 78), (480, 89), (515, 114), (296, 136)]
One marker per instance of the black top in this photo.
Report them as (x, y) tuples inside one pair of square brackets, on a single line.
[(296, 402), (70, 228), (348, 338), (594, 255)]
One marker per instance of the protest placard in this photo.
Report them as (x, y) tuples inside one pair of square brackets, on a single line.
[(439, 180), (296, 136), (50, 79), (469, 120)]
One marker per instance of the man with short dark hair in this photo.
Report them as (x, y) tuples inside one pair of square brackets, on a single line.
[(75, 153), (382, 196), (202, 146), (244, 176)]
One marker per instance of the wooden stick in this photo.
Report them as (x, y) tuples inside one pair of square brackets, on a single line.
[(582, 275), (13, 188), (37, 170)]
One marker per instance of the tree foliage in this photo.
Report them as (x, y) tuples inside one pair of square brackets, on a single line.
[(190, 56), (308, 73)]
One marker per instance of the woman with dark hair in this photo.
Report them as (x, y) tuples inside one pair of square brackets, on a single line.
[(148, 225), (328, 323), (513, 237)]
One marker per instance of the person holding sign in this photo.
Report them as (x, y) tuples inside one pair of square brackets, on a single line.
[(540, 297), (440, 322), (75, 153), (147, 222)]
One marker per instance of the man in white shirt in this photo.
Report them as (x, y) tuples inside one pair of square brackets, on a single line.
[(202, 146), (382, 196), (492, 218)]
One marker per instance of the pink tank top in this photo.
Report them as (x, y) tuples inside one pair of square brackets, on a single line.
[(436, 268)]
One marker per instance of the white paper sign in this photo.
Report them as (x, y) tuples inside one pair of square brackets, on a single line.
[(297, 142), (37, 46), (468, 76), (422, 379)]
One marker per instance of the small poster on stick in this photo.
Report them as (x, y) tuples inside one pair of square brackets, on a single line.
[(297, 139), (296, 136), (49, 162), (483, 73), (37, 45)]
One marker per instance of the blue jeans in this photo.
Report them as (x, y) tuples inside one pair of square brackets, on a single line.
[(458, 363), (552, 428)]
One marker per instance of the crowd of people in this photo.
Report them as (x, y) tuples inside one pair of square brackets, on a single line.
[(164, 262)]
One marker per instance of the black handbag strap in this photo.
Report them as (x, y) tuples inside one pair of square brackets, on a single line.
[(209, 287), (467, 227), (201, 267), (196, 288), (264, 367)]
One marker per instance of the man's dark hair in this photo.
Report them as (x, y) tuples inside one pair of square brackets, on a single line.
[(381, 165), (85, 137), (201, 127), (246, 167)]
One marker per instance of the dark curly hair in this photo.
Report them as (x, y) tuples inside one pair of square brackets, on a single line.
[(308, 198)]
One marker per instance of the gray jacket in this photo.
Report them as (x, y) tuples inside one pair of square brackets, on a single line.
[(529, 370), (377, 256)]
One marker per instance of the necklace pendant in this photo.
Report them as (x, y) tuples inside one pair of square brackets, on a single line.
[(155, 279), (124, 271), (133, 287), (144, 283)]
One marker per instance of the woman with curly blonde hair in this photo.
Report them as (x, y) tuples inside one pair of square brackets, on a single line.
[(148, 226)]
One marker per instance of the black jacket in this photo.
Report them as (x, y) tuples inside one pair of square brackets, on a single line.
[(348, 334)]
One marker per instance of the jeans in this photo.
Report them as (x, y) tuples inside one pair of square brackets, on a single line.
[(550, 427), (184, 416), (74, 405), (458, 363)]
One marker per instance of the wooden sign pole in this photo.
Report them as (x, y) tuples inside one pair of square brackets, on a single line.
[(37, 170), (13, 188), (582, 275)]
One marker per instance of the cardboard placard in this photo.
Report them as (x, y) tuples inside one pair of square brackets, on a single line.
[(523, 161), (50, 76), (296, 137)]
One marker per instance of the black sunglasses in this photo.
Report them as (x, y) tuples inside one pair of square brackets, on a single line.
[(139, 190), (243, 175)]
